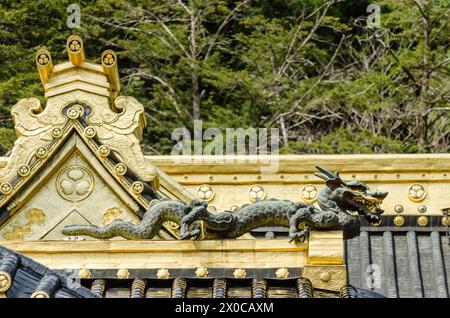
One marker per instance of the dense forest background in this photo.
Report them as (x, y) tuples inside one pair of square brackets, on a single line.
[(313, 69)]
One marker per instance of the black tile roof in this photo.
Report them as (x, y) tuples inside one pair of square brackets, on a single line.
[(400, 262), (31, 278)]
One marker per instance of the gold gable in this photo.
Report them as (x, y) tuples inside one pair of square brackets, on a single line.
[(86, 127)]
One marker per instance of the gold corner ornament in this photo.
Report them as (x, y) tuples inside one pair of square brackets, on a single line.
[(326, 277)]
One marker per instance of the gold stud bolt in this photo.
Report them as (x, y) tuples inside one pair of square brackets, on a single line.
[(399, 220), (201, 272), (422, 220), (90, 132), (163, 273), (282, 273), (56, 133), (5, 282), (5, 188), (120, 169), (239, 273), (84, 273), (137, 187), (24, 171), (398, 208), (104, 151), (325, 276), (123, 273), (41, 153)]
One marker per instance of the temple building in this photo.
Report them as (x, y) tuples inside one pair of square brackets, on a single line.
[(85, 213)]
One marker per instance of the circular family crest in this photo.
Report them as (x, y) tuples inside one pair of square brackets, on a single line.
[(75, 183)]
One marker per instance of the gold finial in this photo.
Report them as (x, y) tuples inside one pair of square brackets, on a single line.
[(75, 49), (59, 79), (44, 64), (109, 63)]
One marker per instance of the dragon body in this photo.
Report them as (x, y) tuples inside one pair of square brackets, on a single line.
[(339, 203), (150, 225)]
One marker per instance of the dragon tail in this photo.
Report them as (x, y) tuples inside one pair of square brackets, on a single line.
[(126, 230)]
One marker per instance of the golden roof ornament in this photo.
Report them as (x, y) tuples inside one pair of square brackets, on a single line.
[(82, 96)]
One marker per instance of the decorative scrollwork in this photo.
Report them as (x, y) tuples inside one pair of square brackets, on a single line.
[(18, 232)]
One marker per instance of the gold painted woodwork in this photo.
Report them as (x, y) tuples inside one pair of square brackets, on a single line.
[(164, 254), (326, 248), (232, 176), (109, 64), (42, 193), (116, 121)]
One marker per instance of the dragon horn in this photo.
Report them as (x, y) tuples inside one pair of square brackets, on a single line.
[(326, 172), (321, 176)]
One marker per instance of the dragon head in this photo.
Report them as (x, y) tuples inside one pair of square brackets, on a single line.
[(353, 196)]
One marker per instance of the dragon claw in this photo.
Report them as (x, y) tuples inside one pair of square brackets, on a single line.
[(300, 236), (192, 234)]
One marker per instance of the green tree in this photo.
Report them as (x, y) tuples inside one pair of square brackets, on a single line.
[(312, 68)]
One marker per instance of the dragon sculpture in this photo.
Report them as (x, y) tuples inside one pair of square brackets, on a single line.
[(340, 204)]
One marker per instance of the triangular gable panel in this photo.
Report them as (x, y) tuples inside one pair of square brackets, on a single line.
[(72, 180)]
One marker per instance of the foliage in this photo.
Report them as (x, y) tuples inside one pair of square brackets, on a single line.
[(312, 68)]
